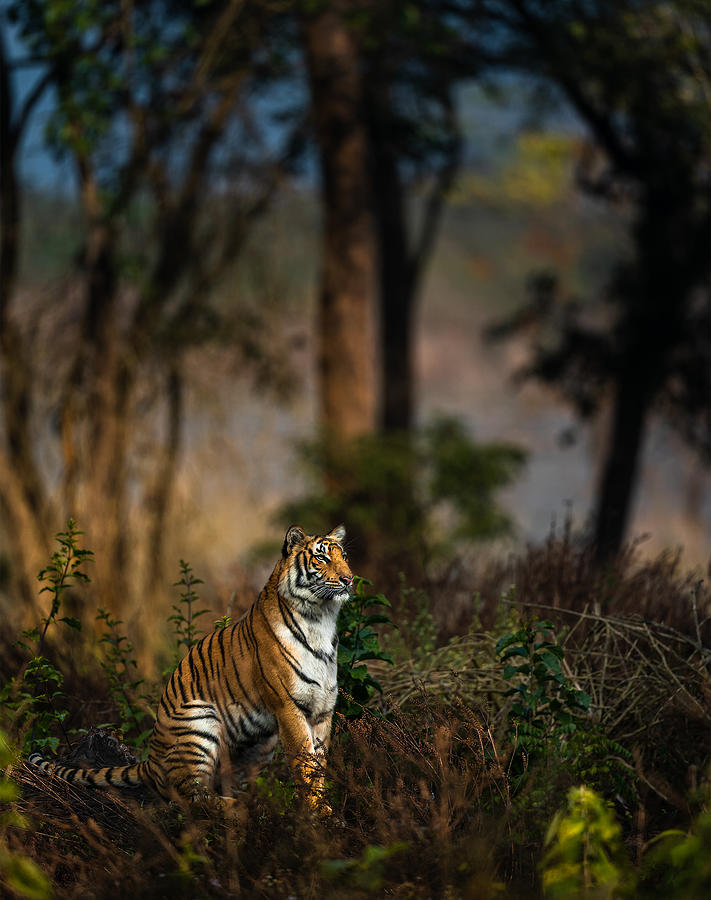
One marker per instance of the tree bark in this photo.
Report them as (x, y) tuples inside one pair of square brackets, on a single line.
[(396, 284), (23, 499), (346, 326), (157, 502), (619, 474)]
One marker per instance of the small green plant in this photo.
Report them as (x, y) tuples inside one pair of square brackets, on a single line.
[(17, 872), (545, 707), (35, 695), (585, 855), (677, 864), (119, 665), (358, 644), (280, 794), (185, 615), (223, 622), (367, 873)]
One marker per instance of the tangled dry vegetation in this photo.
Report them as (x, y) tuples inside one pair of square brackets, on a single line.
[(436, 798)]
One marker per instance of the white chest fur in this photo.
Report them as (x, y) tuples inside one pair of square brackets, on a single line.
[(312, 647)]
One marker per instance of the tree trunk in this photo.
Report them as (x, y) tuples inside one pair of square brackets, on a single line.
[(23, 498), (619, 474), (157, 501), (347, 342), (396, 285)]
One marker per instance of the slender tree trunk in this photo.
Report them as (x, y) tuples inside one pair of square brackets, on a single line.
[(403, 250), (396, 287), (23, 497), (619, 474), (157, 502), (347, 336)]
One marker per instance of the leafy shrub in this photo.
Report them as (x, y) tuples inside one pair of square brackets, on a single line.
[(359, 644), (119, 665), (408, 499), (585, 856), (184, 614), (545, 705), (677, 864), (35, 696), (17, 871)]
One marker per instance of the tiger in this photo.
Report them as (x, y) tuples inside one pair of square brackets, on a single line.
[(271, 675)]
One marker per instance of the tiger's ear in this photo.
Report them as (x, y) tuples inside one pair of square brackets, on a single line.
[(338, 533), (294, 536)]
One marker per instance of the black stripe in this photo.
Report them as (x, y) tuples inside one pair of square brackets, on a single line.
[(170, 711), (194, 673), (261, 669), (175, 679), (239, 683), (221, 644), (190, 747), (210, 654), (192, 732), (296, 630), (306, 710), (234, 728), (282, 649), (305, 678), (198, 647)]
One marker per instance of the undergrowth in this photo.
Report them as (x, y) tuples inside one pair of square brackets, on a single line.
[(557, 752)]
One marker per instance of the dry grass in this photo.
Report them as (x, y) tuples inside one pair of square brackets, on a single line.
[(424, 800)]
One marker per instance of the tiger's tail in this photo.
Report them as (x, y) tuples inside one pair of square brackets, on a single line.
[(132, 776)]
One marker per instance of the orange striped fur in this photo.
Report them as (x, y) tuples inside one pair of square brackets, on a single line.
[(271, 675)]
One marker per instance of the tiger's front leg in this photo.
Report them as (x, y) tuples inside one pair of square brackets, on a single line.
[(322, 738), (298, 742)]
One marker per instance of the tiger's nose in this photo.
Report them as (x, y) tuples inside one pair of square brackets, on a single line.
[(347, 580)]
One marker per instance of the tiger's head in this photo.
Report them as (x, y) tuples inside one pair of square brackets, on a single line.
[(315, 569)]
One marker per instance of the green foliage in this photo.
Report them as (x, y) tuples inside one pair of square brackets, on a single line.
[(545, 705), (585, 855), (552, 732), (279, 794), (119, 665), (677, 864), (184, 615), (358, 644), (64, 568), (35, 696), (603, 764), (367, 871), (464, 475), (19, 873), (409, 498)]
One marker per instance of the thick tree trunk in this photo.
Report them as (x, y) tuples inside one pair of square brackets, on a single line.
[(347, 337)]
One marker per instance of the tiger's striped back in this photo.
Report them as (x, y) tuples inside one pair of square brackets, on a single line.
[(271, 675)]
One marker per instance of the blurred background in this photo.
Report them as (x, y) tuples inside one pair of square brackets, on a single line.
[(438, 270)]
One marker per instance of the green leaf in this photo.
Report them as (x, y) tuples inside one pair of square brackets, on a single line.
[(71, 622), (519, 650), (25, 877)]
